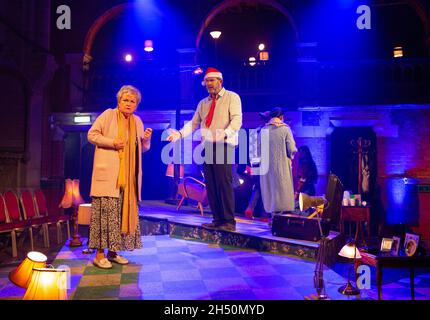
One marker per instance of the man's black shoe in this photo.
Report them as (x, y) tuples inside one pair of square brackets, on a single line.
[(228, 227), (212, 225)]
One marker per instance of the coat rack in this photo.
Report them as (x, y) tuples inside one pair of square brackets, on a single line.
[(361, 146)]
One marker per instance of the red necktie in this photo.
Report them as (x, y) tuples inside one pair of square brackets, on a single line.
[(211, 112)]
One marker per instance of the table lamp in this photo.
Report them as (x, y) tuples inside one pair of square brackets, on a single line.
[(21, 275), (47, 284), (349, 251)]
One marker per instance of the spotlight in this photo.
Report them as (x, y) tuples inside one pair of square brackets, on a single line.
[(252, 61), (128, 57), (261, 46)]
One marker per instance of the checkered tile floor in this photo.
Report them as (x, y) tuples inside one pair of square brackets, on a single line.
[(175, 269)]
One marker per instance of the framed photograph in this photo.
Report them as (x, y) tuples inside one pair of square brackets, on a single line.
[(411, 243), (395, 246), (386, 244)]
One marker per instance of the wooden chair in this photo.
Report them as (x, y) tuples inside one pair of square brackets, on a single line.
[(6, 226), (54, 218), (31, 215), (15, 216), (191, 188)]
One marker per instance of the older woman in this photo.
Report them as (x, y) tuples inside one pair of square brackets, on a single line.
[(120, 140)]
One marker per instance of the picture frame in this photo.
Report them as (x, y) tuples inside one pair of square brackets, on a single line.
[(395, 246), (386, 244), (411, 244)]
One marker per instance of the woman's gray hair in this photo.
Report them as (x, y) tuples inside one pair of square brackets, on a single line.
[(129, 89)]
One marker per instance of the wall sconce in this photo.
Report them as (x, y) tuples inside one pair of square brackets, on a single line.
[(263, 55), (72, 198), (215, 34), (398, 52), (21, 275), (47, 284)]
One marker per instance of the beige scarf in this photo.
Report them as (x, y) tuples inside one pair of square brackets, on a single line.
[(127, 173)]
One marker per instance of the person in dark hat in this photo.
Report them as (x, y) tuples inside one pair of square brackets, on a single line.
[(220, 114), (276, 184)]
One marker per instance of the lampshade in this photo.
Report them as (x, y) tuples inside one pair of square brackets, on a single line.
[(72, 196), (170, 171), (47, 284), (350, 251), (306, 202), (22, 274)]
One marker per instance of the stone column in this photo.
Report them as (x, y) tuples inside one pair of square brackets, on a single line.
[(33, 166), (187, 65), (76, 81), (308, 72)]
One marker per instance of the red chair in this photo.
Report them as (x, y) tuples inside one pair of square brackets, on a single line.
[(31, 215), (14, 214), (58, 219), (7, 226), (191, 188)]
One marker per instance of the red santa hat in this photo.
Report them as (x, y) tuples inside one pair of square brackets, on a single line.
[(212, 73)]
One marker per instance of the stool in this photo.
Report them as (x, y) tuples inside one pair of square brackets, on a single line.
[(358, 215)]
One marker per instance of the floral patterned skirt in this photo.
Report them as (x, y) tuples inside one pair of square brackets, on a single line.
[(105, 227)]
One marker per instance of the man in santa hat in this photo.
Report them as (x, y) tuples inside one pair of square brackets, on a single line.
[(220, 117)]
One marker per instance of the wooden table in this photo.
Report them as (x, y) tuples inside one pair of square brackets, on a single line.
[(357, 214), (386, 261), (84, 214)]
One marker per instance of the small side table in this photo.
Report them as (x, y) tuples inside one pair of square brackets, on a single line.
[(84, 214), (357, 214), (84, 218), (380, 262)]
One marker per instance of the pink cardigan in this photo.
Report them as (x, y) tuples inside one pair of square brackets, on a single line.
[(106, 160)]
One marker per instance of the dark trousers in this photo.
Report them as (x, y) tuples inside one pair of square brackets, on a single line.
[(219, 184)]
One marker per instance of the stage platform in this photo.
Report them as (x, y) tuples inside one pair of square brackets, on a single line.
[(158, 218)]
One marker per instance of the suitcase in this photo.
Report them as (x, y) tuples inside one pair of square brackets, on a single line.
[(297, 227)]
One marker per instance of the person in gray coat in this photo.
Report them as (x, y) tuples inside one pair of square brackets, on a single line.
[(276, 184)]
